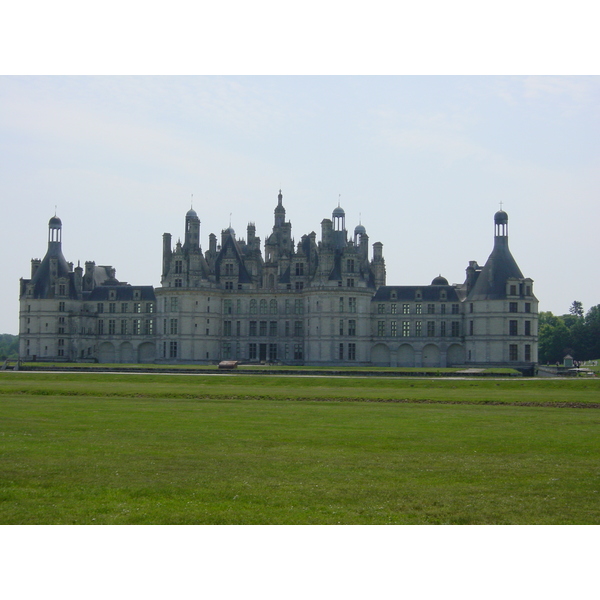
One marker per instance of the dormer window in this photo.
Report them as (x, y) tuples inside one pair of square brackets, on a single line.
[(112, 295), (418, 295), (136, 294), (299, 269)]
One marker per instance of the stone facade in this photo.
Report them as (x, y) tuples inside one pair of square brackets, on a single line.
[(322, 302)]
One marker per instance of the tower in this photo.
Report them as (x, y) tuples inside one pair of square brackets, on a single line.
[(501, 310)]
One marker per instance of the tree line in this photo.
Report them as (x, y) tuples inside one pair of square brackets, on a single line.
[(9, 346), (576, 333)]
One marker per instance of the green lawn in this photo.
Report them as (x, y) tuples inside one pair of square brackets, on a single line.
[(126, 449)]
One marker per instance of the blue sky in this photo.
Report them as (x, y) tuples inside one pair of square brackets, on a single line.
[(422, 161)]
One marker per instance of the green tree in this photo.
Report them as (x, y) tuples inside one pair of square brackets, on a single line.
[(576, 309)]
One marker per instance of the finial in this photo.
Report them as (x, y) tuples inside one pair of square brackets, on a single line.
[(339, 199), (55, 210), (192, 203), (230, 220), (501, 204), (359, 218)]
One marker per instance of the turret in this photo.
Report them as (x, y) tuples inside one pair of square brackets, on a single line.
[(279, 211), (192, 232)]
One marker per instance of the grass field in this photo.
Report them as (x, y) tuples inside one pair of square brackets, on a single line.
[(170, 449)]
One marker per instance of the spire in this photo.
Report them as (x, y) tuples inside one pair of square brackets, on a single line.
[(279, 211)]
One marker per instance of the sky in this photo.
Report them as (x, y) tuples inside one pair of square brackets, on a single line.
[(423, 162)]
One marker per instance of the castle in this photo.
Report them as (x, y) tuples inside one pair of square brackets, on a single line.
[(315, 302)]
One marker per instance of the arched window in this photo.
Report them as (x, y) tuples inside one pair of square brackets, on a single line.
[(252, 307), (273, 307), (263, 307)]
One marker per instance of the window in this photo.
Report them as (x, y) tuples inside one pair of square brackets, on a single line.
[(527, 352), (351, 351), (112, 325), (253, 307), (228, 306), (394, 328), (100, 307), (172, 349), (272, 352), (238, 329), (61, 307), (299, 269), (298, 352), (341, 352), (226, 350), (252, 330), (124, 327), (381, 309), (443, 309), (528, 290), (174, 303), (262, 328), (443, 295), (443, 329), (252, 353), (299, 285), (455, 309), (298, 329), (263, 307), (238, 307), (380, 328), (351, 327), (137, 307), (513, 307), (273, 328), (148, 327), (61, 342), (431, 328), (470, 307), (287, 329), (62, 290), (149, 307), (341, 327), (178, 267), (298, 307), (512, 328), (527, 307), (527, 327), (228, 269), (173, 326), (273, 307), (431, 309), (513, 352), (124, 306), (513, 291), (100, 327), (406, 309), (471, 328), (394, 308), (405, 328), (227, 328), (112, 307), (418, 308), (137, 326), (350, 266), (455, 328), (341, 307), (229, 285), (352, 305), (350, 283)]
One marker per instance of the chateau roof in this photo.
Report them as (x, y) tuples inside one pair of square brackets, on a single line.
[(409, 293), (500, 266)]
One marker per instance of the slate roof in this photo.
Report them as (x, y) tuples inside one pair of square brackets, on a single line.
[(408, 293), (500, 266), (124, 293)]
